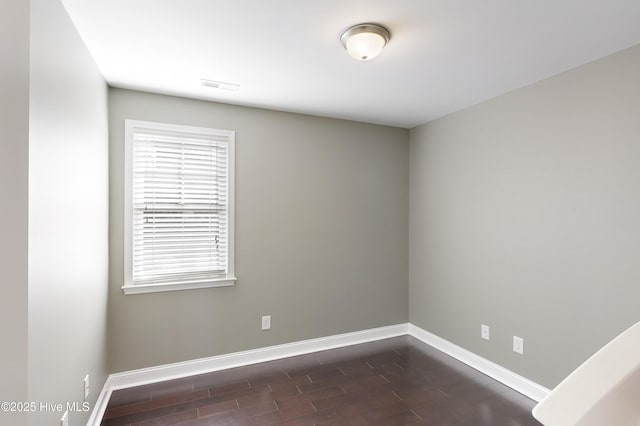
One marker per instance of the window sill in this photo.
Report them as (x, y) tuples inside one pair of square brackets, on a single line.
[(157, 288)]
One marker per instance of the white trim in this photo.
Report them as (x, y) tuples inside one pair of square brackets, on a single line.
[(231, 208), (128, 200), (238, 359), (101, 404), (483, 365), (155, 288)]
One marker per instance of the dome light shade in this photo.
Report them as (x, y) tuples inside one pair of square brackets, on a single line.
[(365, 41)]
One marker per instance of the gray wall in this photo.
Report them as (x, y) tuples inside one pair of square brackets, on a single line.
[(14, 145), (525, 215), (68, 215), (321, 235)]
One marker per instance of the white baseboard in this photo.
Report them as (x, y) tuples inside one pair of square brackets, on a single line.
[(101, 404), (491, 369), (238, 359)]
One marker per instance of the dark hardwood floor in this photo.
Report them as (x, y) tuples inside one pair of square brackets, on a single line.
[(397, 381)]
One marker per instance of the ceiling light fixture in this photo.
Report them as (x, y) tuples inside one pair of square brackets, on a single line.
[(365, 41)]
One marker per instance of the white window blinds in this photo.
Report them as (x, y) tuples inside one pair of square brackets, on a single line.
[(180, 193)]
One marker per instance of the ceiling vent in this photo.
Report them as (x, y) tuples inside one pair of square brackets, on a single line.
[(221, 85)]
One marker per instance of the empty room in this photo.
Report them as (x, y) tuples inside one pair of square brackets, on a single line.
[(301, 212)]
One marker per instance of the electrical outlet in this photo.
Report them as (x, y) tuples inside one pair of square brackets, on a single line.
[(266, 322), (484, 332), (518, 345), (86, 387), (64, 421)]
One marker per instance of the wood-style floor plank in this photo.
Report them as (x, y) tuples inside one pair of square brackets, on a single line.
[(398, 381)]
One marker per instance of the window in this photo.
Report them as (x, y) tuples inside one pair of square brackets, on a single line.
[(179, 184)]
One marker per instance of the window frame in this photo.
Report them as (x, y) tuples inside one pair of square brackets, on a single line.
[(229, 279)]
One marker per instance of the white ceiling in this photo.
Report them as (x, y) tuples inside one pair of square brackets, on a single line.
[(444, 55)]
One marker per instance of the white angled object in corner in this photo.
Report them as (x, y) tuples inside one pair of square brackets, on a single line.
[(604, 390)]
